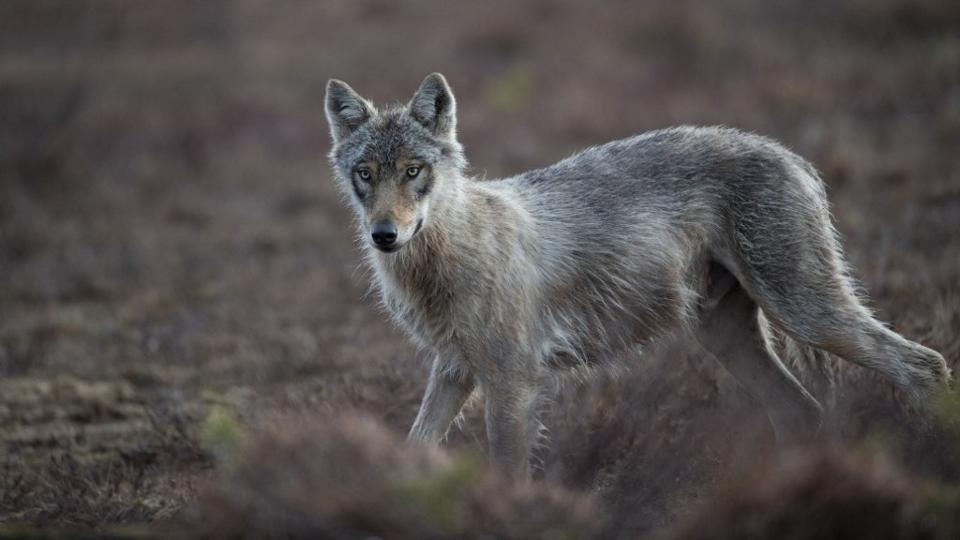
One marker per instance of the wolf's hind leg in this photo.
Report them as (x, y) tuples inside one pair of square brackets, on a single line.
[(817, 306), (855, 335), (730, 332), (788, 257)]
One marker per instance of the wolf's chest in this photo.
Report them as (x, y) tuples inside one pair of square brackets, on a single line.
[(425, 310)]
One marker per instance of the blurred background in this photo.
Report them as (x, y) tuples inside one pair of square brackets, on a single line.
[(176, 265)]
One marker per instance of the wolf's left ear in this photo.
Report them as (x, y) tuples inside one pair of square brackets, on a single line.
[(346, 110), (434, 106)]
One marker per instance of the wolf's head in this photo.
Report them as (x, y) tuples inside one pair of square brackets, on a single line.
[(394, 165)]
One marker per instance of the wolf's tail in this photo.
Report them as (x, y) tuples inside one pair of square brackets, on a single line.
[(819, 371)]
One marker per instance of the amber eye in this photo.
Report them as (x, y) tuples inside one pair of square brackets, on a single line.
[(364, 174), (412, 172)]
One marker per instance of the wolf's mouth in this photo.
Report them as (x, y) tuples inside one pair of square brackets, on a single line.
[(392, 248), (387, 249)]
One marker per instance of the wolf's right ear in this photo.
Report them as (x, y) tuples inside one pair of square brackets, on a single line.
[(346, 110)]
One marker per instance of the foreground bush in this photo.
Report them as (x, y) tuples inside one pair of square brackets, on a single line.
[(826, 494), (347, 477)]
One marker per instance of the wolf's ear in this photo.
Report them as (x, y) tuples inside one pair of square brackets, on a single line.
[(434, 106), (346, 110)]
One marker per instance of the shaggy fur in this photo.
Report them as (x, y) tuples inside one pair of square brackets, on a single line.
[(690, 229)]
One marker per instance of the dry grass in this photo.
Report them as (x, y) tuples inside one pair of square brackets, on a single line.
[(178, 273)]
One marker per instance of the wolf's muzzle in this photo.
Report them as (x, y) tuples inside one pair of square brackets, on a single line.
[(384, 234)]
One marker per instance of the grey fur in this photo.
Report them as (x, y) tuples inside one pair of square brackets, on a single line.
[(690, 229)]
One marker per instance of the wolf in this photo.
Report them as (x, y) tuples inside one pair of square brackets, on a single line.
[(712, 231)]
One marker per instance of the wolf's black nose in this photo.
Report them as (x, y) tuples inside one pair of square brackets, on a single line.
[(384, 233)]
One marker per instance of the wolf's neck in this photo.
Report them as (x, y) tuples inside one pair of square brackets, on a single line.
[(455, 223)]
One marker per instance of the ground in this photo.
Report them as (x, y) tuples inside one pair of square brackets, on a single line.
[(178, 269)]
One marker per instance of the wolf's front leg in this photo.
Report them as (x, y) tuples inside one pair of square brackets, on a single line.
[(447, 390), (512, 425)]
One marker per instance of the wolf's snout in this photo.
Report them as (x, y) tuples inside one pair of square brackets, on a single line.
[(384, 234)]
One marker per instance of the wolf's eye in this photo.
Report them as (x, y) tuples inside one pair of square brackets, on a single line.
[(412, 172), (364, 174)]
